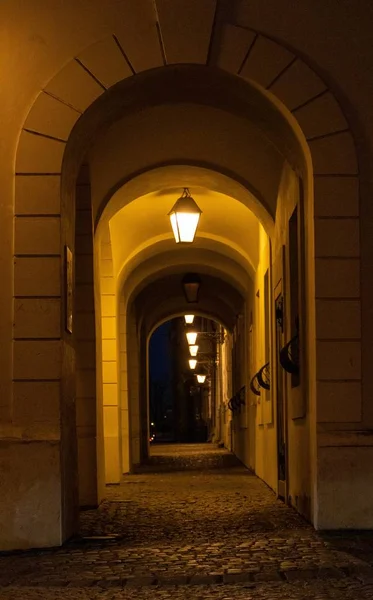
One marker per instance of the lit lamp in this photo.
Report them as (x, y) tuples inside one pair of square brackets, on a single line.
[(201, 378), (189, 319), (193, 350), (184, 217), (191, 337), (192, 363)]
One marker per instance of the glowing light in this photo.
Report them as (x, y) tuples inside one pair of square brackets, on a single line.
[(193, 350), (201, 378), (192, 363), (184, 217), (191, 337), (184, 226), (189, 319)]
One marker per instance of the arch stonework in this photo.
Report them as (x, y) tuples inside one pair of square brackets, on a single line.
[(42, 228), (141, 299), (150, 303), (112, 372)]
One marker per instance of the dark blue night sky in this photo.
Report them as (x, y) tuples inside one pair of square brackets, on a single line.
[(159, 353)]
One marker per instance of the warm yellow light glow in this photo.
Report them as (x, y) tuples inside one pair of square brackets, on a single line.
[(193, 350), (189, 319), (201, 378), (184, 226), (191, 337), (184, 218), (175, 227), (192, 363)]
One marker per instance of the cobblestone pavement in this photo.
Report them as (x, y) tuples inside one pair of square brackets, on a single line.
[(193, 523)]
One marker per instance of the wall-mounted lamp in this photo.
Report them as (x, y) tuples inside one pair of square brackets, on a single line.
[(184, 217), (192, 363), (201, 378), (193, 350), (191, 284), (191, 337), (189, 319)]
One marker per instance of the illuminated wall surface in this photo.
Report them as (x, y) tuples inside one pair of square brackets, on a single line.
[(102, 128)]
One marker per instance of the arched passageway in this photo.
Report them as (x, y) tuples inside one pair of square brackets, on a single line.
[(182, 388), (103, 168)]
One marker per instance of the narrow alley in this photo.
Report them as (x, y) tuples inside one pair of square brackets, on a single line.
[(193, 523)]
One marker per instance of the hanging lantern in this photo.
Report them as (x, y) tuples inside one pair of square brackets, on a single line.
[(201, 378), (184, 217), (191, 284), (189, 319), (193, 350), (192, 363), (191, 337)]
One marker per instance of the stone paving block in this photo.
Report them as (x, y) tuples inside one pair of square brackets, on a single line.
[(175, 580), (193, 524), (360, 571), (205, 579), (304, 574), (330, 573), (237, 577), (110, 582), (268, 576), (145, 580)]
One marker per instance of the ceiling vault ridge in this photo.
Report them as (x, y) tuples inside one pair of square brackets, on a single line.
[(159, 32)]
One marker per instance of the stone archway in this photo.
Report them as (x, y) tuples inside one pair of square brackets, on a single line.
[(159, 298), (42, 227)]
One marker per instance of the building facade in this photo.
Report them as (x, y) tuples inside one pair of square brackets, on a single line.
[(108, 110)]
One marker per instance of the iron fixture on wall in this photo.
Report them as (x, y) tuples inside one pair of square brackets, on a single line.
[(237, 400), (261, 379), (254, 386), (216, 336), (264, 377), (289, 356)]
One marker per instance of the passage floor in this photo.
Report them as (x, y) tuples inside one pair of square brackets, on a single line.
[(194, 523)]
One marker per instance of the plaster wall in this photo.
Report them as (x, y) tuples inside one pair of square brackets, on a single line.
[(135, 412), (345, 487), (265, 435), (108, 312), (243, 358), (85, 349), (226, 382), (298, 399), (259, 314), (30, 478), (125, 440), (240, 429)]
